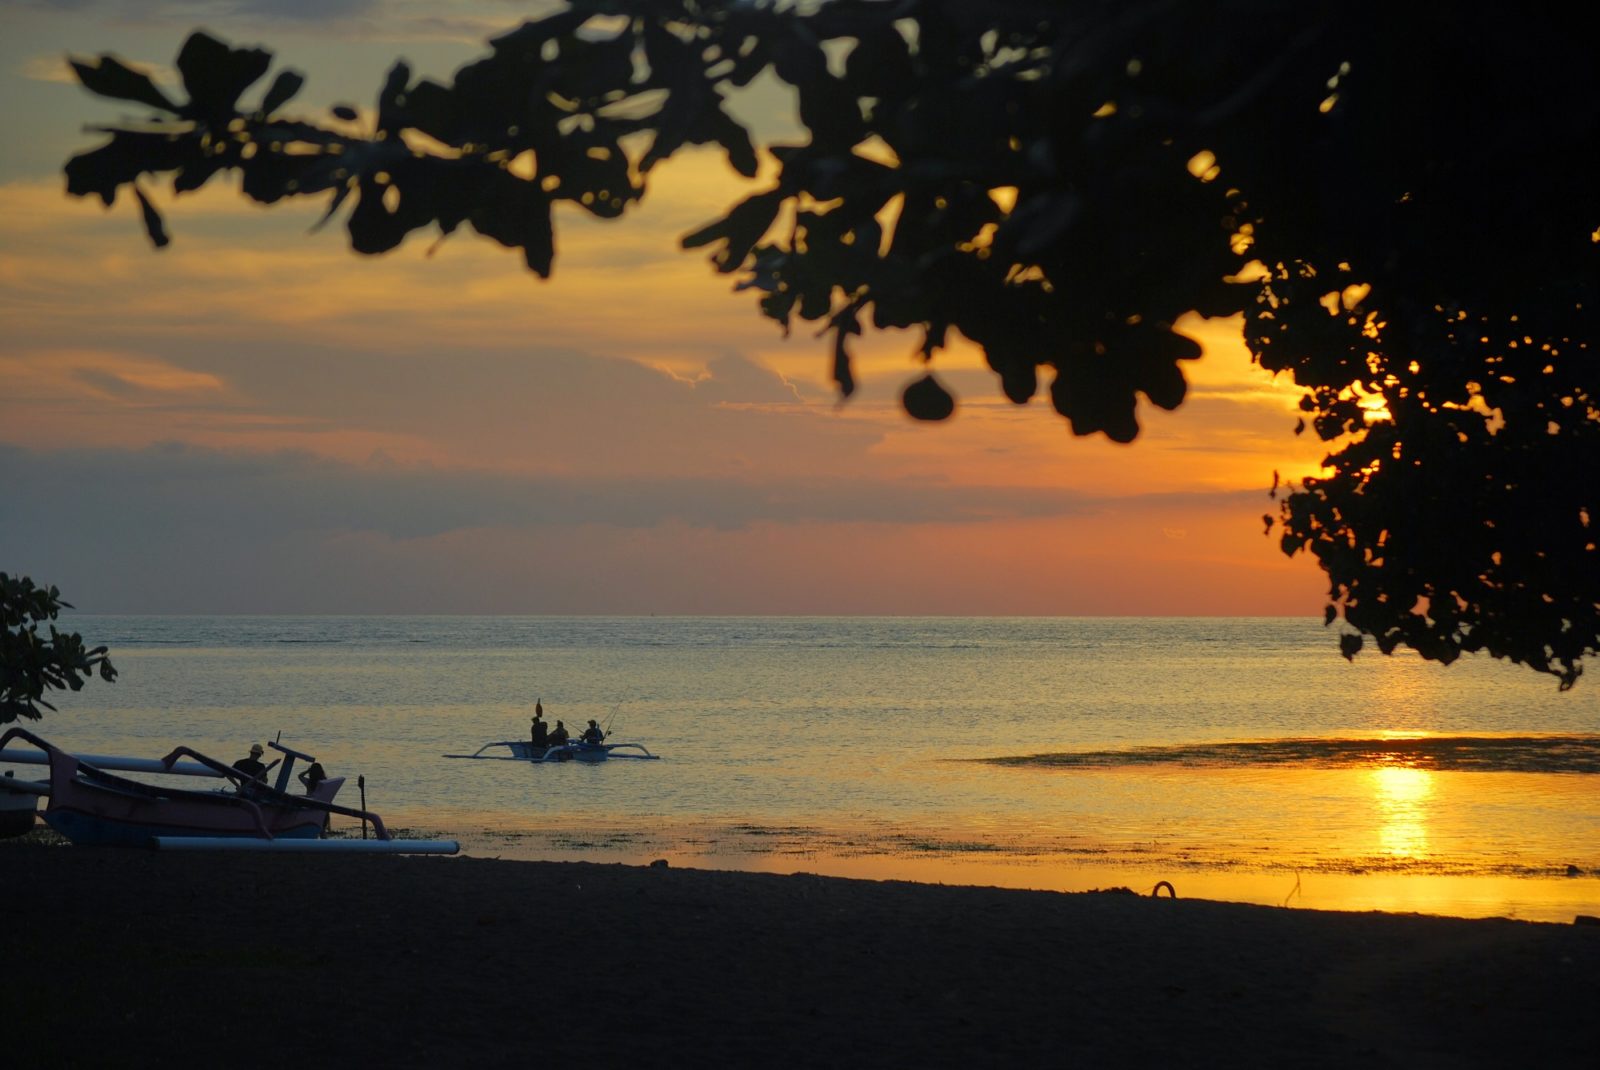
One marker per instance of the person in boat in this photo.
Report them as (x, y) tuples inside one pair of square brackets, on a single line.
[(593, 733), (252, 766), (541, 729), (558, 735), (312, 777)]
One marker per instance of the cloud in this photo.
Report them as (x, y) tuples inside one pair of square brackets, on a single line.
[(620, 287), (48, 69), (158, 11), (345, 425), (298, 10), (39, 375), (175, 528), (649, 368), (58, 70), (460, 22), (171, 488), (543, 410)]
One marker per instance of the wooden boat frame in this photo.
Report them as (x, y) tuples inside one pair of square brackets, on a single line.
[(92, 806)]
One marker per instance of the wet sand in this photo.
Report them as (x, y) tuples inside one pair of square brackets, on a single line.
[(145, 959)]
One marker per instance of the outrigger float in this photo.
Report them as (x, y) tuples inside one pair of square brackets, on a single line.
[(93, 807), (523, 750)]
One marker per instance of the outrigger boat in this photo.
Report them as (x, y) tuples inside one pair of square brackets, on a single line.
[(523, 750), (91, 806)]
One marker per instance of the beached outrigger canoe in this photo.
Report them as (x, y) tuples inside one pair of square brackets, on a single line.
[(523, 750), (91, 806)]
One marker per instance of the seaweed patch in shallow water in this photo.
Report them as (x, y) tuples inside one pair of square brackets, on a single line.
[(1494, 754)]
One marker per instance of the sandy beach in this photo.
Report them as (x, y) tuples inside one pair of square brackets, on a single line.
[(146, 959)]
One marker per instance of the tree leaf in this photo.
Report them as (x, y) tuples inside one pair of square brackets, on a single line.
[(516, 213), (530, 37), (340, 193), (927, 399), (283, 88), (391, 107), (110, 77), (215, 74), (842, 375), (373, 228), (152, 220), (741, 228), (431, 108), (122, 159)]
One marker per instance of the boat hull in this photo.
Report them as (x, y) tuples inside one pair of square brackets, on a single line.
[(114, 812), (572, 752), (90, 829), (522, 750)]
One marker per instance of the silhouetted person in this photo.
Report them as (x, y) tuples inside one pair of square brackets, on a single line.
[(592, 734), (558, 735), (252, 766), (541, 730), (312, 777)]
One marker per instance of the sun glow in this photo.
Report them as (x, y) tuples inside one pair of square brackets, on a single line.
[(1402, 794)]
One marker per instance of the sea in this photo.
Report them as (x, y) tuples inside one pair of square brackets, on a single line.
[(1226, 758)]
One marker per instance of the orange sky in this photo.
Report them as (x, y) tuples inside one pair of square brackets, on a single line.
[(257, 420)]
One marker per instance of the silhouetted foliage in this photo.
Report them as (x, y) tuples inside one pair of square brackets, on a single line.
[(31, 665), (1398, 199)]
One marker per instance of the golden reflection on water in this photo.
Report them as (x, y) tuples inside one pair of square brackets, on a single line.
[(1382, 835), (1403, 794)]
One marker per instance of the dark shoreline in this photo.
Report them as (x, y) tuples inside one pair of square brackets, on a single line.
[(143, 959)]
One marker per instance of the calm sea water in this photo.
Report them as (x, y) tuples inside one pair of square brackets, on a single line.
[(1047, 752)]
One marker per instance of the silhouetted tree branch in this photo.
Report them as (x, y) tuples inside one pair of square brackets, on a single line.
[(31, 665), (1399, 202)]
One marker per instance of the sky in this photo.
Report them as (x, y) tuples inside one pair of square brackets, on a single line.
[(257, 420)]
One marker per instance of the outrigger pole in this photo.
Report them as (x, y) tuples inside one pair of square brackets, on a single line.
[(289, 845)]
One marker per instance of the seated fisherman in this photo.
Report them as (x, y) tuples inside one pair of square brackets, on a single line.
[(592, 734), (252, 766), (558, 735)]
